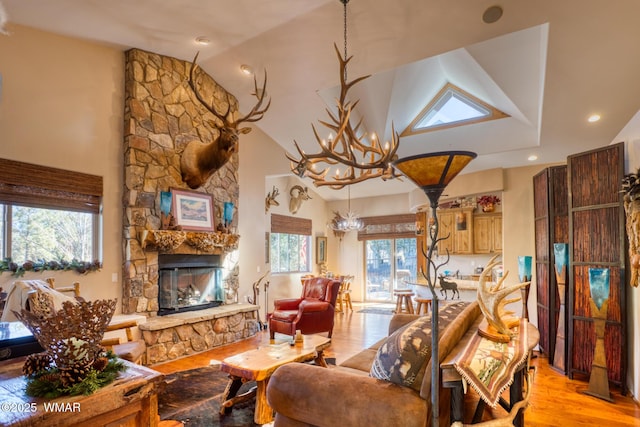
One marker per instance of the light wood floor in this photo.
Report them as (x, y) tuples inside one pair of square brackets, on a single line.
[(555, 400)]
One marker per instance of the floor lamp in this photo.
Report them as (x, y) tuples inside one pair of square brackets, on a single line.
[(432, 172)]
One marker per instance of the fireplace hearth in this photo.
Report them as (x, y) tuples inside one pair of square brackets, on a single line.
[(189, 282)]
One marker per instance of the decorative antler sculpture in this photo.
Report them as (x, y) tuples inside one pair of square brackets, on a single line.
[(298, 195), (200, 160), (348, 148), (631, 188), (492, 301)]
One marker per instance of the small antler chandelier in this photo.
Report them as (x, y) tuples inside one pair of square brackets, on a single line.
[(341, 224), (363, 160)]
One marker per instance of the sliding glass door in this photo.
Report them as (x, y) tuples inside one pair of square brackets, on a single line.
[(389, 264)]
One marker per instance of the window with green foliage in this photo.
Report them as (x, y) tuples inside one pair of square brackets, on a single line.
[(290, 253), (50, 234), (49, 218), (290, 244)]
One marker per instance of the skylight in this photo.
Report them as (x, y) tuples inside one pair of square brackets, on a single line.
[(452, 107)]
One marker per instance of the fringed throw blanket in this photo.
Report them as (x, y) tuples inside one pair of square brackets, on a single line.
[(489, 366)]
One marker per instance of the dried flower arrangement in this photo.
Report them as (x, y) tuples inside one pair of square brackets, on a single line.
[(488, 200)]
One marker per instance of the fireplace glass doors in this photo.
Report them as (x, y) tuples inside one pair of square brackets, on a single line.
[(189, 282)]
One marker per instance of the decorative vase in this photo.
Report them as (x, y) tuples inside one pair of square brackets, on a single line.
[(524, 274), (489, 207), (599, 378), (228, 213), (561, 256)]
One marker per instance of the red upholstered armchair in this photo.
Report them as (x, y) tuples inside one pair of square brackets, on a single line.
[(312, 313)]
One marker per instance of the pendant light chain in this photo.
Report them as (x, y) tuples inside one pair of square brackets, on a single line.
[(344, 2)]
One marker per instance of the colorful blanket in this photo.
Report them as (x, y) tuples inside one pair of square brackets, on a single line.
[(489, 366)]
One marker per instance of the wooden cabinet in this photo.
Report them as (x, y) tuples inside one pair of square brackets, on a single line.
[(458, 225), (446, 227), (487, 233)]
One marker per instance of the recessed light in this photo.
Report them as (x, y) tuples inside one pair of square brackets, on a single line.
[(593, 118), (203, 41), (246, 69), (532, 158), (492, 14)]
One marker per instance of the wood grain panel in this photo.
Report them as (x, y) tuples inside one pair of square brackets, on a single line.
[(597, 239), (551, 226)]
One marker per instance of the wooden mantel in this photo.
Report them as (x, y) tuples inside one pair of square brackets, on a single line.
[(173, 241)]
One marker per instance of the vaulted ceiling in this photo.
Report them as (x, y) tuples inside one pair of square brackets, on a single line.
[(548, 64)]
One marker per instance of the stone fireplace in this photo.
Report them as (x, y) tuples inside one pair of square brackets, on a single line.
[(191, 276), (189, 282), (161, 117)]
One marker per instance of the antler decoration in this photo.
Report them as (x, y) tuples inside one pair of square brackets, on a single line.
[(363, 160), (492, 300)]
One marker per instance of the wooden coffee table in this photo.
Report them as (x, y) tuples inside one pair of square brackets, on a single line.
[(258, 365)]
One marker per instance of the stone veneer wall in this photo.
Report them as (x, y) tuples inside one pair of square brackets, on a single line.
[(161, 117), (170, 339)]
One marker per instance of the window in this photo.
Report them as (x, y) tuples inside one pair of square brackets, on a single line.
[(389, 264), (47, 234), (290, 253), (290, 244), (451, 107), (390, 254), (48, 214)]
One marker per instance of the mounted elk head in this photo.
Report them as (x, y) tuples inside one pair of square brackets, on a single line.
[(271, 199), (200, 160), (298, 195)]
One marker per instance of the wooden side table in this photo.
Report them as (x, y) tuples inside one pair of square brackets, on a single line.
[(129, 401), (452, 379), (258, 365)]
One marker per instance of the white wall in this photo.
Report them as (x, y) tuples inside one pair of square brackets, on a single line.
[(61, 105), (262, 165)]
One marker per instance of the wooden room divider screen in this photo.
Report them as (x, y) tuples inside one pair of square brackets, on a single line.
[(551, 226), (597, 239)]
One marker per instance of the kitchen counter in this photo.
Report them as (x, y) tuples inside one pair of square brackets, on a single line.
[(467, 289)]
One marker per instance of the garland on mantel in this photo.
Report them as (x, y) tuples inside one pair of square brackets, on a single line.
[(208, 242), (18, 270)]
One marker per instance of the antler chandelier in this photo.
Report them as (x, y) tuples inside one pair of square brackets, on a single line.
[(363, 160), (341, 224)]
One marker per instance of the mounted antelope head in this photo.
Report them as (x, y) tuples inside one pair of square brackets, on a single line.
[(200, 160), (271, 199), (298, 195)]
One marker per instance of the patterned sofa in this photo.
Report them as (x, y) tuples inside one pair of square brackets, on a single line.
[(388, 384)]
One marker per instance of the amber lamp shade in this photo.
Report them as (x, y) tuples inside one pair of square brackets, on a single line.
[(432, 172)]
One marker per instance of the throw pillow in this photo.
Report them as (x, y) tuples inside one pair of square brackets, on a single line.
[(403, 357)]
